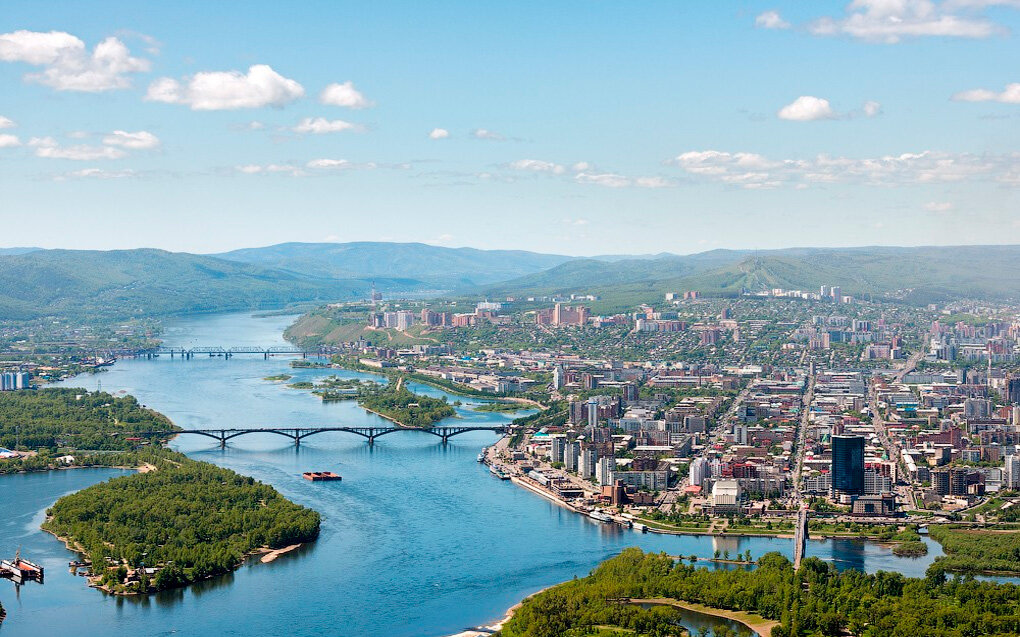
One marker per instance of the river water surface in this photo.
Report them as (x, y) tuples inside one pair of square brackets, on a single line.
[(418, 538)]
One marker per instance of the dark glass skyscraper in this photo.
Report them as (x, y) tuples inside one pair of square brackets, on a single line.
[(848, 465)]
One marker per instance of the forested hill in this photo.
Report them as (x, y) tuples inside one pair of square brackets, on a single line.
[(918, 275), (145, 282), (438, 266)]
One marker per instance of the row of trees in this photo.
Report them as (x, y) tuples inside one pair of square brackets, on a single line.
[(68, 417), (193, 518), (816, 600)]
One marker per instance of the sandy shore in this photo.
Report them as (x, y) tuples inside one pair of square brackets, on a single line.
[(272, 555), (492, 628), (754, 621)]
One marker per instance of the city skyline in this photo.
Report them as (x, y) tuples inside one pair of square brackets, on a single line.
[(571, 129)]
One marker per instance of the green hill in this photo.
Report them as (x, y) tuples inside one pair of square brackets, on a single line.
[(918, 275), (437, 266), (146, 282)]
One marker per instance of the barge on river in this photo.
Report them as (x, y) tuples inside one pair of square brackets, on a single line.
[(21, 570), (321, 476)]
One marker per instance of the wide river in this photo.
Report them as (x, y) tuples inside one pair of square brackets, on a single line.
[(418, 538)]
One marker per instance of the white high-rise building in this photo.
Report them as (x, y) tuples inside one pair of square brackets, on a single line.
[(557, 377), (740, 434), (605, 471), (699, 471), (1011, 472)]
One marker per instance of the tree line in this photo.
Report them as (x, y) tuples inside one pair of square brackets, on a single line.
[(815, 600)]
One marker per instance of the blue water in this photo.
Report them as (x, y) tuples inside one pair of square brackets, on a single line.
[(418, 538)]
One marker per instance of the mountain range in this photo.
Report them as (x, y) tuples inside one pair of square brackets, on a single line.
[(148, 282)]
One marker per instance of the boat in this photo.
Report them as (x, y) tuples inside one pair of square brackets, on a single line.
[(599, 516), (321, 476), (499, 473), (21, 570), (481, 457)]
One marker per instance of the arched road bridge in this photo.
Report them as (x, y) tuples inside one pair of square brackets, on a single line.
[(230, 352), (297, 434)]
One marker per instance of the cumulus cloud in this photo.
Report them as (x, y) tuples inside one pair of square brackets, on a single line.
[(142, 140), (1009, 95), (321, 125), (771, 20), (890, 21), (807, 108), (754, 171), (227, 90), (439, 133), (482, 133), (66, 63), (6, 122), (49, 148), (344, 95), (9, 141)]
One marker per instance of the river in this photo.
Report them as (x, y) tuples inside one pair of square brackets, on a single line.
[(417, 540)]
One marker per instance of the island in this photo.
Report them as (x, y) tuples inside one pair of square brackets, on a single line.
[(175, 522), (178, 522), (407, 409), (645, 594)]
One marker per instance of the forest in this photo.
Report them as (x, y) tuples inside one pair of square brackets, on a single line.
[(190, 519), (407, 408), (74, 418), (816, 600), (970, 550)]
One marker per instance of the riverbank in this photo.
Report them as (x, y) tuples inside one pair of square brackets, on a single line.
[(489, 629), (753, 621)]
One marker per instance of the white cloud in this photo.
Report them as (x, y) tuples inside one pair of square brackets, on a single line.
[(938, 206), (439, 133), (344, 164), (890, 21), (256, 169), (872, 108), (1009, 95), (48, 148), (750, 170), (321, 125), (9, 141), (771, 20), (807, 108), (96, 173), (6, 122), (67, 64), (344, 95), (482, 133), (538, 166), (227, 90), (142, 140)]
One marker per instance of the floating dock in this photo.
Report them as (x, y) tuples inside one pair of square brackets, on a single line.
[(21, 570)]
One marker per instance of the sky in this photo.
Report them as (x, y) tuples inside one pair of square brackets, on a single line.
[(570, 127)]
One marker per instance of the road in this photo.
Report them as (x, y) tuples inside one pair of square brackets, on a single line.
[(805, 422), (892, 450)]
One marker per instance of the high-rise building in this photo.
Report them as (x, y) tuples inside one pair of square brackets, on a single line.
[(589, 462), (559, 444), (848, 465), (699, 471), (557, 377), (740, 434), (630, 392), (593, 412), (1011, 472), (605, 470), (571, 456)]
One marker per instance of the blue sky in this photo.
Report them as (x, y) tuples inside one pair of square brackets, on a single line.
[(570, 127)]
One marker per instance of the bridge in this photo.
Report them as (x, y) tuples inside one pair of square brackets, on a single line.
[(229, 352), (800, 537), (297, 434)]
